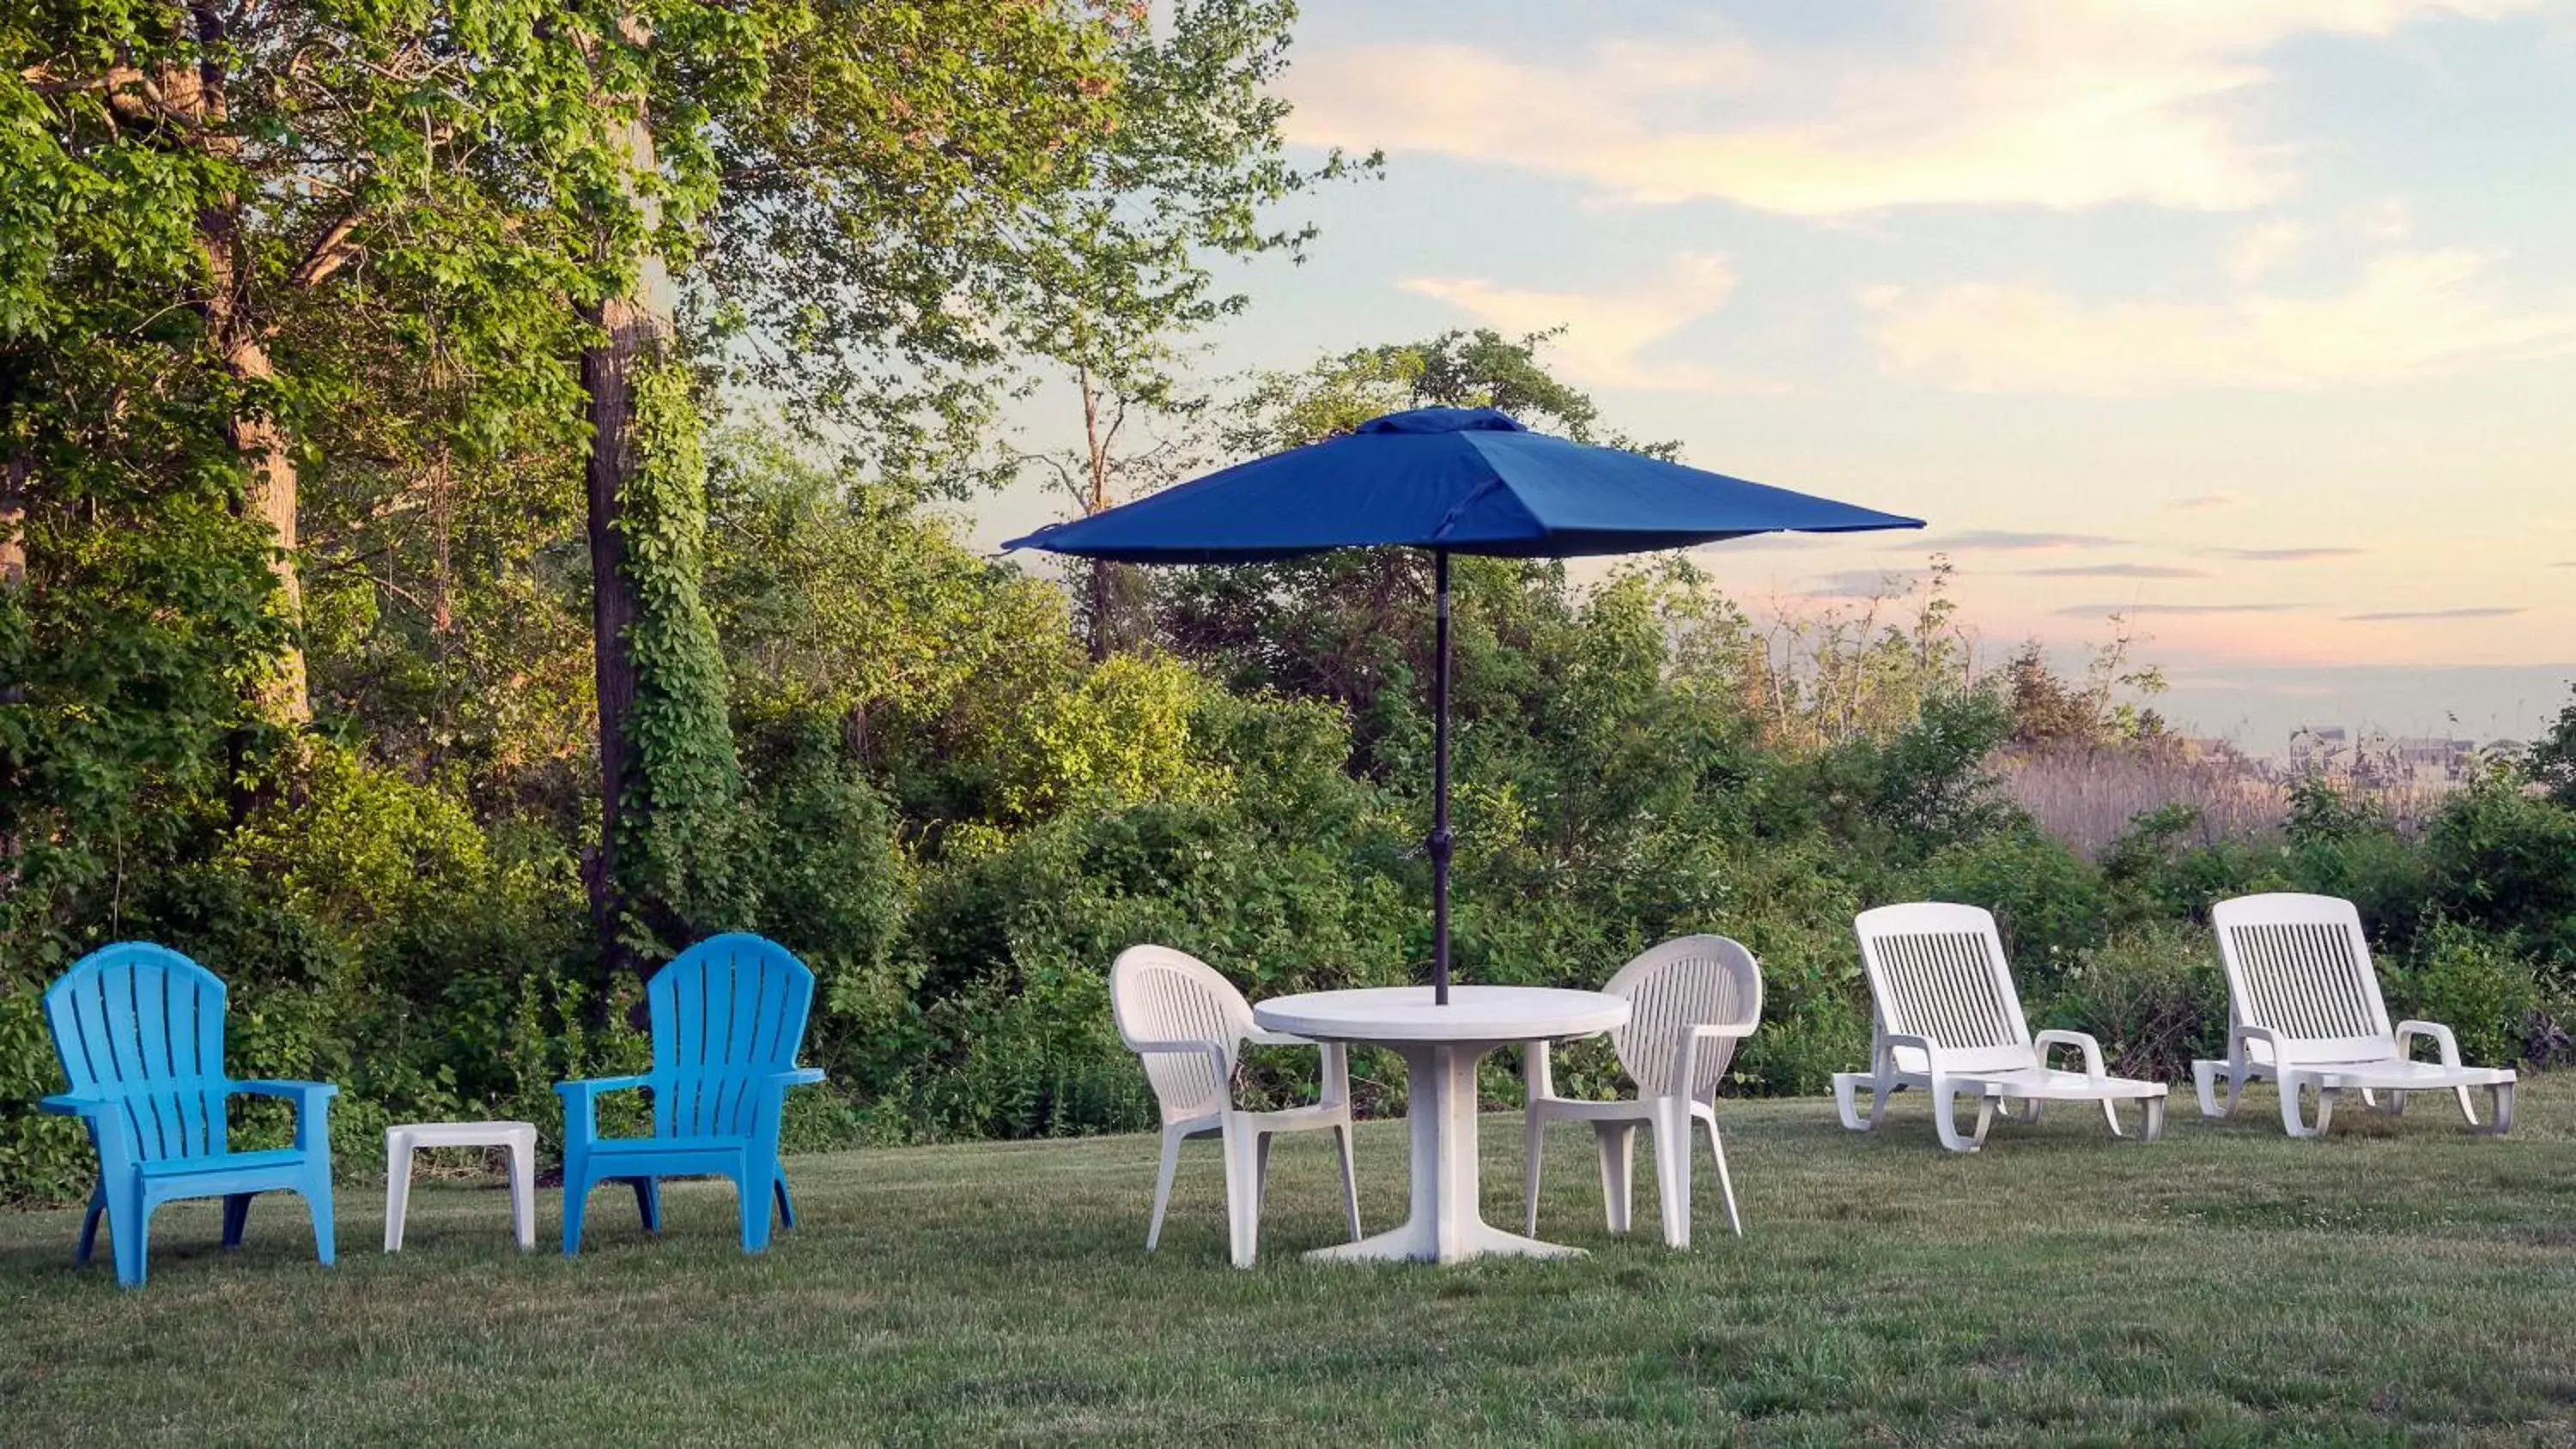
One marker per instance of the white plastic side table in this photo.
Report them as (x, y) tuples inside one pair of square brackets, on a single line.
[(405, 1138), (1441, 1046)]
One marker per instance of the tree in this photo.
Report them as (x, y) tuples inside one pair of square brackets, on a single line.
[(1117, 270), (2553, 758)]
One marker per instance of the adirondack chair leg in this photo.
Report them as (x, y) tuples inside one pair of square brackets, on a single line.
[(1673, 1168), (129, 1237), (1163, 1187), (236, 1218), (752, 1198), (1618, 1142), (89, 1223), (1350, 1179), (1533, 1158), (576, 1205), (1725, 1181), (317, 1201), (786, 1204), (648, 1201)]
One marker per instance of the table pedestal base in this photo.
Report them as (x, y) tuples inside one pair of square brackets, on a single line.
[(1446, 1226)]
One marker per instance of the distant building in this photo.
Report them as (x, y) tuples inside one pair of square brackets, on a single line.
[(2320, 747), (2427, 759)]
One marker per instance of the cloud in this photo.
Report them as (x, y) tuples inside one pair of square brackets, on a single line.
[(2410, 315), (1993, 103), (2202, 502), (2117, 571), (2263, 249), (2284, 555), (1864, 584), (2397, 615), (2004, 541), (2088, 611), (1606, 332)]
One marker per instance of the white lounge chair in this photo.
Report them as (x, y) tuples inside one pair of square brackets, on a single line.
[(1692, 1000), (2303, 1009), (1189, 1025), (1947, 1022)]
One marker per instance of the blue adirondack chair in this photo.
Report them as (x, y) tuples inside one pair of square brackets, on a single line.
[(140, 1029), (728, 1016)]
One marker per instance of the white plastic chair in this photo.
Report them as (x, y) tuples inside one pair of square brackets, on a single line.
[(2304, 1009), (1189, 1025), (1692, 999), (1947, 1021)]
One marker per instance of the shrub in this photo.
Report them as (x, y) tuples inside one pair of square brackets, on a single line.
[(2475, 984), (2153, 996)]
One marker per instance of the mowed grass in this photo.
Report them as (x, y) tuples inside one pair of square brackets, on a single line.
[(2400, 1283)]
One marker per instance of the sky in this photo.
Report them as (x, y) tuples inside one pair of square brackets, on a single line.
[(2251, 320)]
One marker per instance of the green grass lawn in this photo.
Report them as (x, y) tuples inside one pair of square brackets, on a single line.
[(2401, 1282)]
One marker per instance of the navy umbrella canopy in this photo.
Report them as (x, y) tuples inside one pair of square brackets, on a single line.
[(1451, 480)]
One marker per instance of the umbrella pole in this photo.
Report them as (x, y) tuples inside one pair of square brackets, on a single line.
[(1438, 846)]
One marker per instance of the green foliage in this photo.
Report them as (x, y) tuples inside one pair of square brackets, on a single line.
[(684, 837), (2153, 996), (2480, 986)]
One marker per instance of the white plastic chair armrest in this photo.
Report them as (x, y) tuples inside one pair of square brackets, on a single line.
[(2441, 1035), (1214, 1053), (2081, 1041), (1538, 1074), (1258, 1037)]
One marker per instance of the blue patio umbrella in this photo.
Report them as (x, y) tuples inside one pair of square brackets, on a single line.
[(1451, 480)]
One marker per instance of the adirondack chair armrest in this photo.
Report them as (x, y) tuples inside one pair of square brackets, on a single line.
[(798, 1077), (71, 1104), (2407, 1031), (312, 1105), (581, 1103), (2081, 1041)]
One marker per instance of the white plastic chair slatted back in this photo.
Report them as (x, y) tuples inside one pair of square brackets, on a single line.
[(2298, 966), (1158, 994), (1938, 971), (1685, 982)]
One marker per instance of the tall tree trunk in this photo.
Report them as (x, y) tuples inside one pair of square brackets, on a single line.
[(198, 100), (635, 334), (1098, 433), (13, 579)]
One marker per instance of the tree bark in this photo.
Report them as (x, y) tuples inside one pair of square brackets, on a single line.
[(635, 334), (13, 579), (198, 102)]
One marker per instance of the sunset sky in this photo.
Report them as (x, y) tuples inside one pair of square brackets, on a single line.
[(2255, 319)]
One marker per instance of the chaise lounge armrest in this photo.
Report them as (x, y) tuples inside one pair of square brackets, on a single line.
[(2448, 1044), (2082, 1041)]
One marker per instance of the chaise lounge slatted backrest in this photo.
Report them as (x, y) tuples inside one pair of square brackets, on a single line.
[(143, 1026), (1938, 971), (727, 1015), (2298, 966)]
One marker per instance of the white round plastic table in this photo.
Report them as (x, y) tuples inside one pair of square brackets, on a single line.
[(1441, 1046)]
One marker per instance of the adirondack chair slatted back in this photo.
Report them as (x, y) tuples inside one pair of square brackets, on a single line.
[(144, 1026), (727, 1013), (2298, 965), (1686, 982), (1938, 971), (1158, 994)]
